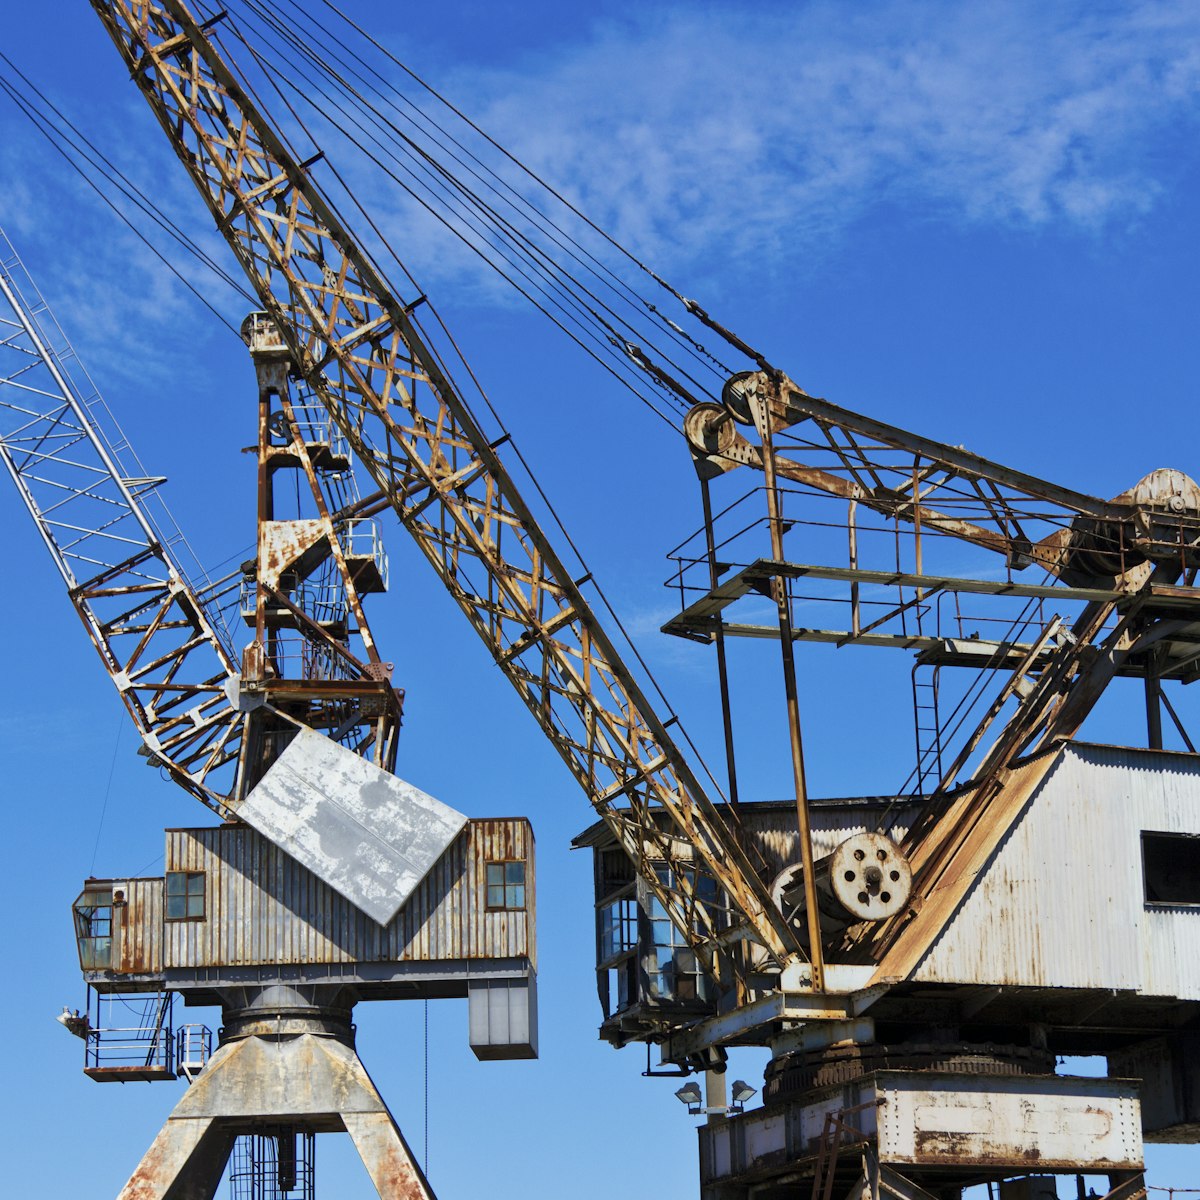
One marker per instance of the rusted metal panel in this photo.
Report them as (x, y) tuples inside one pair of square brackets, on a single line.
[(138, 926), (1167, 1070), (1073, 864), (262, 907), (940, 1119), (1053, 1122), (769, 827), (776, 1138)]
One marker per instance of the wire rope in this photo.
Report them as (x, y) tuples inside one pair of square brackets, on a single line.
[(572, 298)]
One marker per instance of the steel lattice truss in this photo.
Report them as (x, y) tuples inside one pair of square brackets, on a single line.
[(155, 636), (1131, 562), (362, 354), (945, 489)]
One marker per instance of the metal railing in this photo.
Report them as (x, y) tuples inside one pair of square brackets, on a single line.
[(361, 538), (193, 1049), (143, 1042)]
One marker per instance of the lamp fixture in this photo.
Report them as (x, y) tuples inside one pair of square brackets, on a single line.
[(690, 1095)]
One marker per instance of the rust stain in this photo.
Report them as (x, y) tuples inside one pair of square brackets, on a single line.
[(399, 1179)]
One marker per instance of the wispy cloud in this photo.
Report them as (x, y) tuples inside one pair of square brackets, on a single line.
[(118, 300), (695, 132), (706, 135)]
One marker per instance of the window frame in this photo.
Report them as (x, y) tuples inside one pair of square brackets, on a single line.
[(1151, 838), (188, 895), (95, 949), (672, 958), (505, 886)]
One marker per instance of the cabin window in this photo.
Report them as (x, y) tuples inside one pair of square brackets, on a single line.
[(93, 928), (1171, 868), (506, 886), (185, 895), (674, 973), (618, 928)]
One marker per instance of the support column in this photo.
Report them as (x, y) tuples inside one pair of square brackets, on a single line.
[(311, 1081), (185, 1162)]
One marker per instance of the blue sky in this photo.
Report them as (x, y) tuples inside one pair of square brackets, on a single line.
[(977, 221)]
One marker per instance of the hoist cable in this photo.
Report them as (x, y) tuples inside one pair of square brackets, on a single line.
[(112, 766), (599, 268), (276, 79), (542, 263), (501, 150), (539, 261), (557, 520), (50, 135), (537, 215), (63, 143)]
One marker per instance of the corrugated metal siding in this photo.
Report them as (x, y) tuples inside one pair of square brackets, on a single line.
[(1171, 952), (138, 930), (1062, 904), (263, 907)]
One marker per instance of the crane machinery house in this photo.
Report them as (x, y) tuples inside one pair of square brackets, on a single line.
[(234, 914)]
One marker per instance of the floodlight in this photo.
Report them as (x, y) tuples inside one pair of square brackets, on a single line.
[(742, 1091), (689, 1094)]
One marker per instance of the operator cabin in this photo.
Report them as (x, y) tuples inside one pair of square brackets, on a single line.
[(233, 909)]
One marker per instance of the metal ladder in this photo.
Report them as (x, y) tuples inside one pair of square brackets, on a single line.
[(927, 727)]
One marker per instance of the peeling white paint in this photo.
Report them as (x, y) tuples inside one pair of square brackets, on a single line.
[(369, 835)]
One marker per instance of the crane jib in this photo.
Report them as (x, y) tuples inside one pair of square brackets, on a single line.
[(362, 353), (159, 642)]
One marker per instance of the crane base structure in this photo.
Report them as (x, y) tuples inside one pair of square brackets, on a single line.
[(287, 1068)]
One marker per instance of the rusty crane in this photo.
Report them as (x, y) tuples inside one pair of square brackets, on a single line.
[(895, 956)]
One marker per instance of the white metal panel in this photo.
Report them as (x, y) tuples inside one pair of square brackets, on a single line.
[(502, 1017), (1171, 952), (766, 1135), (369, 835), (1056, 1121), (1061, 904), (720, 1161)]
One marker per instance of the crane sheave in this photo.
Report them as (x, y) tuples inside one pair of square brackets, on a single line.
[(367, 834)]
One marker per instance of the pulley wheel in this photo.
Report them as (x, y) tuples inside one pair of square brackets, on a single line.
[(870, 877)]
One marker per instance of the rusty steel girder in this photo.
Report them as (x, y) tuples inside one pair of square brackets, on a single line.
[(895, 472)]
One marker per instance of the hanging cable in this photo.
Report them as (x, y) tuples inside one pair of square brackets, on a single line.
[(112, 766), (572, 246), (277, 80), (501, 150), (577, 307), (432, 174), (102, 167)]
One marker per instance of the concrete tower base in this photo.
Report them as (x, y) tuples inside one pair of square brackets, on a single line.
[(311, 1080)]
